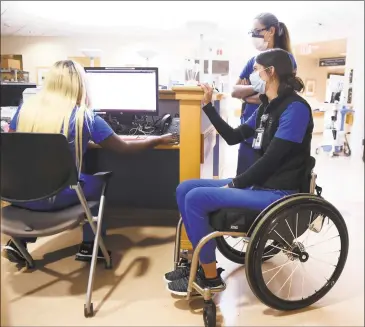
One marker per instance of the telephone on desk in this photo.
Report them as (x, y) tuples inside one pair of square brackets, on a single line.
[(167, 124)]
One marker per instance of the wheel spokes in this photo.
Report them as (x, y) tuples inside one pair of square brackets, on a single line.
[(318, 256)]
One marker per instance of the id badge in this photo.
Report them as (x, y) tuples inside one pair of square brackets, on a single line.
[(257, 141)]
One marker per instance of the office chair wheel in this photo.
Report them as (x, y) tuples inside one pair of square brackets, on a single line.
[(89, 314), (314, 241), (110, 266), (346, 149), (237, 252), (209, 314), (29, 266)]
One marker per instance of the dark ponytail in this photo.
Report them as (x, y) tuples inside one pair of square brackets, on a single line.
[(290, 83), (280, 60), (281, 37)]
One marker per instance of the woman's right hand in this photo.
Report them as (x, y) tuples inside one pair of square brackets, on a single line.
[(208, 93), (167, 139)]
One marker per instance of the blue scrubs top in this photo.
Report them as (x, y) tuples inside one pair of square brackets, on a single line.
[(246, 155), (245, 74), (293, 122), (95, 129)]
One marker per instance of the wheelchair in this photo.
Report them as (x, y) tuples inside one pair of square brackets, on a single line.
[(286, 234)]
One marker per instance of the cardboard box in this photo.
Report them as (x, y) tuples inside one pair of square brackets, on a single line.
[(85, 61), (10, 64)]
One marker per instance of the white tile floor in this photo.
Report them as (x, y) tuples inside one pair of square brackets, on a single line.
[(133, 294)]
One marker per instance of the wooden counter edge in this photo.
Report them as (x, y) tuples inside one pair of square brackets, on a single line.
[(171, 94), (166, 95), (193, 93), (92, 145)]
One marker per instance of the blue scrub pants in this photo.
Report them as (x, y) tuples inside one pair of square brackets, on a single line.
[(92, 187), (198, 197)]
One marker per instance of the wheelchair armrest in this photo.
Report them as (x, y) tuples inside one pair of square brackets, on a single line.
[(105, 175)]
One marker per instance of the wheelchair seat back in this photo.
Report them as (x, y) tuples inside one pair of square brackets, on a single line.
[(307, 184), (298, 222)]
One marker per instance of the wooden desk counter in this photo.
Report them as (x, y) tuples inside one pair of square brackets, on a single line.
[(196, 152), (193, 157), (141, 138)]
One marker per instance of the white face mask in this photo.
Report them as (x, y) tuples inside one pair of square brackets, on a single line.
[(257, 83), (259, 43)]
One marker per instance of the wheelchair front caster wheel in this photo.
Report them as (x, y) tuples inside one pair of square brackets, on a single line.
[(209, 314), (89, 313)]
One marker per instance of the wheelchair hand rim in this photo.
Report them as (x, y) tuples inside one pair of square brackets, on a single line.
[(254, 268)]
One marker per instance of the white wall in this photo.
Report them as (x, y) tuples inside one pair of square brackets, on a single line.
[(44, 51)]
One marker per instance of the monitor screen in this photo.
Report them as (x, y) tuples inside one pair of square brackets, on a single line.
[(12, 93), (129, 90)]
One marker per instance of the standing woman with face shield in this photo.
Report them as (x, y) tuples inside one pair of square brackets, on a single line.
[(267, 33)]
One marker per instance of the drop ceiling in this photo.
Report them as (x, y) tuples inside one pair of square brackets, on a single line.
[(307, 20)]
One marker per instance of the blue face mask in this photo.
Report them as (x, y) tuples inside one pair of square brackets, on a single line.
[(258, 84)]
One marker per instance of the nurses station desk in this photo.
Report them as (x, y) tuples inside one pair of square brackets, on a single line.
[(149, 179)]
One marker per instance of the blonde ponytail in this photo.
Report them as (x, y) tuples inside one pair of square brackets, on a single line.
[(51, 109)]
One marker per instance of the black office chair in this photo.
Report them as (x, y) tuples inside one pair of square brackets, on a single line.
[(282, 227), (38, 166)]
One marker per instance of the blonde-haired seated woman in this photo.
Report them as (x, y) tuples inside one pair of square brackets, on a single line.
[(63, 106)]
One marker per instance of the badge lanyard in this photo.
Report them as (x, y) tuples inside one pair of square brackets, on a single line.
[(259, 133)]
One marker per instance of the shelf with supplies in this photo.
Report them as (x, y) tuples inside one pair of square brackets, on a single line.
[(14, 76)]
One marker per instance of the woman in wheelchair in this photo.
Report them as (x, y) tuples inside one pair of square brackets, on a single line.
[(282, 129), (63, 106)]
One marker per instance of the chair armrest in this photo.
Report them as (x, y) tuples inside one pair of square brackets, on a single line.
[(105, 175)]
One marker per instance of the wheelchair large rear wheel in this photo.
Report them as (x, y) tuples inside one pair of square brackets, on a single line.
[(313, 253), (234, 249)]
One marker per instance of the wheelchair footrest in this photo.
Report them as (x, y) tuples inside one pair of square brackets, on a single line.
[(211, 291)]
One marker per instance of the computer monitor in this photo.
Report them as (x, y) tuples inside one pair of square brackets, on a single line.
[(29, 92), (12, 93), (129, 90)]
